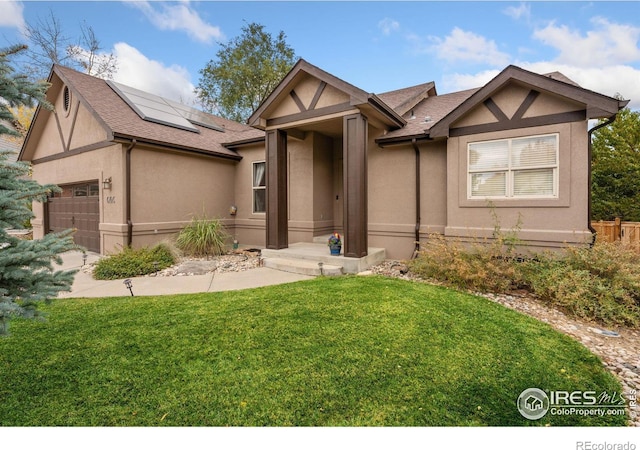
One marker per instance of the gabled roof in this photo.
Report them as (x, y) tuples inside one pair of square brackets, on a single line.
[(426, 114), (358, 97), (595, 104), (404, 100), (122, 122)]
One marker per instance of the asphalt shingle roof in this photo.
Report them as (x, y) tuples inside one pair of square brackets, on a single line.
[(124, 121), (430, 111)]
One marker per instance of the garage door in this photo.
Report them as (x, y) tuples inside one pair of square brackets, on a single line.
[(77, 206)]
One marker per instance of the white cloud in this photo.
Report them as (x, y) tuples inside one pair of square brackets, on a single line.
[(609, 80), (387, 26), (461, 81), (606, 45), (179, 17), (603, 59), (138, 71), (518, 12), (463, 46), (11, 14)]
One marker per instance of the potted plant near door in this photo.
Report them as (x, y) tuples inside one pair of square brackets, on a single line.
[(335, 244)]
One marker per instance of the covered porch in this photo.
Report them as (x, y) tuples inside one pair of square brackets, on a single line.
[(317, 143)]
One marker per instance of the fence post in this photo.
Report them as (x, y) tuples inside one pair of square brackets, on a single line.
[(618, 229)]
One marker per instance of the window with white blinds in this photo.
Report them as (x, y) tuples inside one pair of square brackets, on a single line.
[(514, 168)]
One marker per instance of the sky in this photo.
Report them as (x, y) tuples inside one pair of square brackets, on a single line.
[(377, 46)]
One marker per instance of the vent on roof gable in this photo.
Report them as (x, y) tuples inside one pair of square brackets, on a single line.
[(66, 94), (153, 108)]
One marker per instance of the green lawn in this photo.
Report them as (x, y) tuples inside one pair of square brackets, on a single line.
[(345, 351)]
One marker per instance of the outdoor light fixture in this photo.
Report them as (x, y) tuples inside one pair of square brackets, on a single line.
[(84, 259), (106, 183), (128, 285), (233, 210)]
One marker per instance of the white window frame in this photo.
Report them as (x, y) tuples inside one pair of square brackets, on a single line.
[(256, 188), (510, 170)]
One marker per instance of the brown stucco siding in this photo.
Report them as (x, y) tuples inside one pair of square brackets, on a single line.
[(392, 196), (168, 189), (543, 222), (249, 227), (95, 165)]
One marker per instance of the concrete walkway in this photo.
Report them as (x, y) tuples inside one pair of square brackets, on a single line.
[(85, 286)]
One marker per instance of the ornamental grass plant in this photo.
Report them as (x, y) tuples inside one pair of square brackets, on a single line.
[(203, 237)]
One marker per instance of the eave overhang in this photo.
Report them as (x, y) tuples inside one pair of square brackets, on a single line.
[(595, 105), (127, 139), (368, 103)]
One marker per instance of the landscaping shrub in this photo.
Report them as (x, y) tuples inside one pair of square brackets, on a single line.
[(600, 283), (203, 237), (134, 262), (480, 265)]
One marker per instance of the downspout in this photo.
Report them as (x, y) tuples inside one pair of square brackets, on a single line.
[(589, 156), (128, 192), (414, 144)]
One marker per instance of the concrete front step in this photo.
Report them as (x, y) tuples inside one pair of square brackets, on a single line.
[(302, 266), (315, 253)]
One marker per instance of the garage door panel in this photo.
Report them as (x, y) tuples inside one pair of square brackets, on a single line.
[(79, 212)]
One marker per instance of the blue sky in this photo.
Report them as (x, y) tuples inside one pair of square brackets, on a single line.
[(377, 46)]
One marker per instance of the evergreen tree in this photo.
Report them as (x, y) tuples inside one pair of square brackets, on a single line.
[(615, 181), (27, 275)]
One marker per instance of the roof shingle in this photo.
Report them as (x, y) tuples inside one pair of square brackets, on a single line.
[(124, 122)]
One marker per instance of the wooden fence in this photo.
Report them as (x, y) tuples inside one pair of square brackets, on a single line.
[(626, 232)]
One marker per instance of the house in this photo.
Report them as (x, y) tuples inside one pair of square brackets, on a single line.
[(321, 155), (8, 143)]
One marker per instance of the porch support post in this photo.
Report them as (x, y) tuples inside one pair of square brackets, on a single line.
[(276, 168), (354, 146)]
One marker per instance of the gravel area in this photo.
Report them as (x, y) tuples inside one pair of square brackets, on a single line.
[(231, 262), (619, 349)]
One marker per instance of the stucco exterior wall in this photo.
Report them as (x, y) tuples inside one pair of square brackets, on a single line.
[(88, 166), (311, 173), (543, 222), (392, 196), (249, 227), (169, 188)]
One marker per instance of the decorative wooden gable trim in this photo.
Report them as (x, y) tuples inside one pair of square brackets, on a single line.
[(298, 98), (67, 124), (517, 120), (588, 104)]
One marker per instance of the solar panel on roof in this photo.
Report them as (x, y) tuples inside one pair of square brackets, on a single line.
[(195, 116), (153, 108)]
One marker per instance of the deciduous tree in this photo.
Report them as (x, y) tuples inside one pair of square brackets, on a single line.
[(49, 44), (245, 71)]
